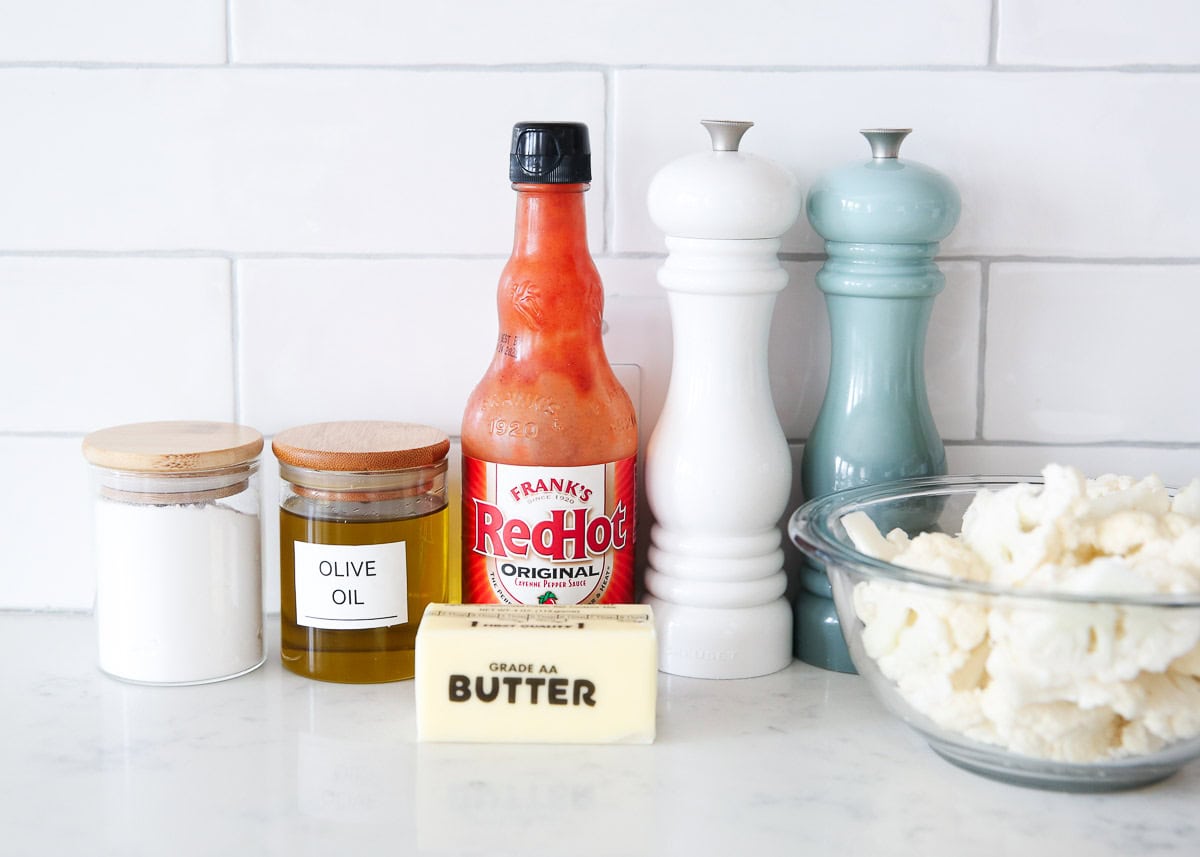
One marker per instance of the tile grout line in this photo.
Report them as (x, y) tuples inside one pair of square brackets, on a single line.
[(1169, 445), (985, 282), (994, 35), (42, 435), (961, 443), (590, 68), (200, 253), (610, 166), (228, 32), (972, 443), (235, 337)]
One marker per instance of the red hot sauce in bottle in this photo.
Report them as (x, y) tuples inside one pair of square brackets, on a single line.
[(549, 436)]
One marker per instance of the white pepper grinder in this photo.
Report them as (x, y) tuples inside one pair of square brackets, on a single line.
[(718, 471)]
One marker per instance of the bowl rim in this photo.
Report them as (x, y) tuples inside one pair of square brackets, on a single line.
[(810, 530)]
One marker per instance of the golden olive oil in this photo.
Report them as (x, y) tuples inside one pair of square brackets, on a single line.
[(361, 655)]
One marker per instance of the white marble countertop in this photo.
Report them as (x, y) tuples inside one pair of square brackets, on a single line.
[(802, 761)]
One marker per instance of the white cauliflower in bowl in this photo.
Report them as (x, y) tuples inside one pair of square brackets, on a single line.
[(1068, 679)]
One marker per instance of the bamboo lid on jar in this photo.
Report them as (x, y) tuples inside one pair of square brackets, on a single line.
[(361, 446), (172, 447)]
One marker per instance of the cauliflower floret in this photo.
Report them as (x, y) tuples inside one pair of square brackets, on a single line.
[(935, 553), (1171, 564), (1107, 483), (1171, 707), (1125, 532), (867, 538), (1187, 501), (1148, 495), (1166, 705), (1073, 643), (1062, 491), (1009, 542), (931, 644), (909, 630), (952, 701), (1188, 663), (1056, 730), (938, 553)]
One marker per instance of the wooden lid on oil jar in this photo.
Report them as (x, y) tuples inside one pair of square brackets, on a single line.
[(364, 460), (361, 446)]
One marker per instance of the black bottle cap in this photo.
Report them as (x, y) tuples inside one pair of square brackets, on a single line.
[(550, 153)]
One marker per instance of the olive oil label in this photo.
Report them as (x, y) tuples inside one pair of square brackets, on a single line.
[(548, 535), (351, 586)]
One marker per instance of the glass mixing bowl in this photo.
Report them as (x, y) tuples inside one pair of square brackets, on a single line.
[(940, 680)]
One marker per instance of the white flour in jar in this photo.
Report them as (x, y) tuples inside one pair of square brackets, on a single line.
[(178, 591)]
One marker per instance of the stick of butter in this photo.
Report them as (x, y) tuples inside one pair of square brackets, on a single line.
[(544, 675)]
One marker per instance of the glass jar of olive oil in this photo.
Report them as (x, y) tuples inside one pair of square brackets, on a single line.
[(363, 544)]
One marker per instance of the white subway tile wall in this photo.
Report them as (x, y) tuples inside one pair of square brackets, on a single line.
[(1064, 340), (245, 160), (47, 525), (330, 339), (701, 33), (169, 32), (1098, 33), (92, 342), (278, 212), (1094, 164)]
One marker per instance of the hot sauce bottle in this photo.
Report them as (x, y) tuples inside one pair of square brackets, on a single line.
[(549, 437)]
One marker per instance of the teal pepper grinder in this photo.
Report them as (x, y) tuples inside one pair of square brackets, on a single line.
[(881, 221)]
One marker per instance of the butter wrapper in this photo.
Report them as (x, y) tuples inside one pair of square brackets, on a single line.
[(538, 675)]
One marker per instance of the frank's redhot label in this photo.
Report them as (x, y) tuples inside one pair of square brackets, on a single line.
[(548, 535)]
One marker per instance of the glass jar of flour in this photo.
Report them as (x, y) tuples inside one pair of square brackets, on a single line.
[(177, 551)]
